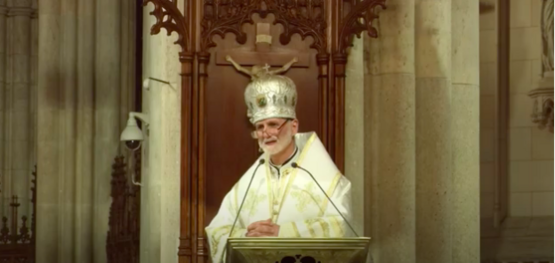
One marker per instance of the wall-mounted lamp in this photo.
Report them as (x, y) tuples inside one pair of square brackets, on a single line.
[(132, 134)]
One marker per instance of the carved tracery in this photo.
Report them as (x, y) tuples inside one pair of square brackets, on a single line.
[(306, 18), (303, 17), (170, 18), (360, 18)]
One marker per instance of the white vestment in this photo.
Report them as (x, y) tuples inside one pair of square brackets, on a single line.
[(288, 196)]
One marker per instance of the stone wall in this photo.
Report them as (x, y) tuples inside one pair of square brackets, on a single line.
[(85, 91), (488, 112), (412, 136), (160, 196), (18, 68), (530, 149)]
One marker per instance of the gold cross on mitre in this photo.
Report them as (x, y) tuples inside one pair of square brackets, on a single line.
[(263, 53)]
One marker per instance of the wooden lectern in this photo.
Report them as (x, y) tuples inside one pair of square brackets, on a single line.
[(297, 250)]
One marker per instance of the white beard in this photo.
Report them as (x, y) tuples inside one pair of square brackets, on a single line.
[(281, 143)]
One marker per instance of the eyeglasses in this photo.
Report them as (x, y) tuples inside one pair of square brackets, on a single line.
[(271, 128)]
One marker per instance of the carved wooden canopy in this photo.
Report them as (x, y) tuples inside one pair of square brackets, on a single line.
[(331, 24)]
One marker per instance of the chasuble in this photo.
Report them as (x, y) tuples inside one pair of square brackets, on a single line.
[(287, 196)]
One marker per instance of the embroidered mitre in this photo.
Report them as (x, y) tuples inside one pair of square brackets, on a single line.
[(270, 96)]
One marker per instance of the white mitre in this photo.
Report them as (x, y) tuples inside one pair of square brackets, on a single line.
[(270, 96)]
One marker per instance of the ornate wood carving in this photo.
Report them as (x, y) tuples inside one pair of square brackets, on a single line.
[(17, 241), (360, 16), (486, 7), (306, 18), (209, 18), (170, 18), (123, 239)]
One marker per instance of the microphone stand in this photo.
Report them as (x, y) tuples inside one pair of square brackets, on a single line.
[(295, 165)]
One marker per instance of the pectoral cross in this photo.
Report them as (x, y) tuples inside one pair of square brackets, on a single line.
[(263, 52)]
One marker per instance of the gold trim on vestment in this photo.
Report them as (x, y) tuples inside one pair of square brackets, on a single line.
[(325, 227), (336, 225), (296, 230), (293, 175), (329, 192), (309, 225), (217, 236), (235, 191), (270, 192)]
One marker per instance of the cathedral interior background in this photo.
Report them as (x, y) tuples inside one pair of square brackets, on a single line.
[(440, 112)]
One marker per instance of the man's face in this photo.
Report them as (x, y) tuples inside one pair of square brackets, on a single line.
[(275, 134)]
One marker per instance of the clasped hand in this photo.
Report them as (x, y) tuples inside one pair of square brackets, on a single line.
[(263, 228)]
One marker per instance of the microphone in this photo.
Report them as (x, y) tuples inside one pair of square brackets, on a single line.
[(260, 162), (295, 165)]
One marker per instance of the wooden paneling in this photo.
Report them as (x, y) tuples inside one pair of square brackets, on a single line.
[(216, 144)]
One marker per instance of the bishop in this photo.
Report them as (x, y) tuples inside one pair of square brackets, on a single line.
[(280, 198)]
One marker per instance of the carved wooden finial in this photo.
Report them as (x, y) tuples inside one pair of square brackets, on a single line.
[(486, 6)]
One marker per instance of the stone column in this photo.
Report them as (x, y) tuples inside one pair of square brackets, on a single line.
[(48, 148), (393, 183), (150, 194), (433, 130), (78, 127), (4, 182), (150, 191), (68, 136), (372, 84), (19, 59), (84, 144), (160, 212), (354, 131), (34, 65), (465, 122), (107, 117), (34, 61), (128, 58)]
